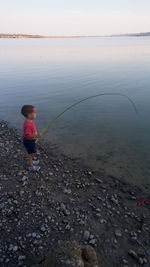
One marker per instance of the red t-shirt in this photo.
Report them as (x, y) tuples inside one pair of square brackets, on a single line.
[(29, 128)]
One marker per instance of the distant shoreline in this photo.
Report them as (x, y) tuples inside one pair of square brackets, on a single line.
[(23, 36), (26, 36)]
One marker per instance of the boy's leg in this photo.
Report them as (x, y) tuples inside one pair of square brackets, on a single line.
[(30, 159), (32, 163), (35, 161)]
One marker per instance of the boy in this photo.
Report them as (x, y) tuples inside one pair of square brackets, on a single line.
[(30, 134)]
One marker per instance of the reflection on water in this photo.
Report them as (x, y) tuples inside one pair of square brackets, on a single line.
[(53, 73)]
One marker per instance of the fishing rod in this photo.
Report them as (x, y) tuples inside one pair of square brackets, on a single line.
[(44, 130)]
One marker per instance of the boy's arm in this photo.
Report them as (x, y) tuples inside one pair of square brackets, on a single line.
[(34, 136)]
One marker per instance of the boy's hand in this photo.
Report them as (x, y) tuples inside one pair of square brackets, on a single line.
[(39, 135)]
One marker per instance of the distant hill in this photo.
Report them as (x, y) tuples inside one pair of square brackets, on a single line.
[(3, 35), (132, 34)]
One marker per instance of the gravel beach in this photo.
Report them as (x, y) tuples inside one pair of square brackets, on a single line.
[(67, 201)]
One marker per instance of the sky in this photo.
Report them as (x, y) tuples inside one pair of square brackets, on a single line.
[(74, 17)]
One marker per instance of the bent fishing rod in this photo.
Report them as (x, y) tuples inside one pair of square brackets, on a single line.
[(44, 130)]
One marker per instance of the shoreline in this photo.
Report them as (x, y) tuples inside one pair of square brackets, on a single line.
[(30, 36), (67, 201)]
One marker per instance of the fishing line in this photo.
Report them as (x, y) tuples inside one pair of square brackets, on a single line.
[(44, 130)]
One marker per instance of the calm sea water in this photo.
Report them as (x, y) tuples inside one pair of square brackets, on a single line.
[(54, 73)]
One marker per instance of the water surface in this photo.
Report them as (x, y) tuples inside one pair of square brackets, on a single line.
[(54, 73)]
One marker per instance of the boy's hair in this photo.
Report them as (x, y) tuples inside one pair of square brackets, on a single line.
[(27, 109)]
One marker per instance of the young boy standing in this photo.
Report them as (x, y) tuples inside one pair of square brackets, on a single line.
[(30, 135)]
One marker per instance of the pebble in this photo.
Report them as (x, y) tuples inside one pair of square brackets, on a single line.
[(118, 233), (21, 257), (148, 252), (43, 229), (15, 248), (21, 193), (98, 215), (124, 261), (62, 206), (67, 191), (86, 235), (24, 178), (98, 180), (132, 253), (34, 235), (103, 221), (114, 200), (92, 241), (141, 261)]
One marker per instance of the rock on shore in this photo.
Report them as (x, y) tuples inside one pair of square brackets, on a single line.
[(67, 201), (70, 254)]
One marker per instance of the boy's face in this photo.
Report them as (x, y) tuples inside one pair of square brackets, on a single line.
[(32, 115)]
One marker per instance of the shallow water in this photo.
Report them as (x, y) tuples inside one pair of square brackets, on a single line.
[(54, 73)]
